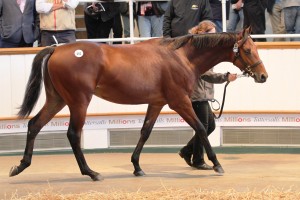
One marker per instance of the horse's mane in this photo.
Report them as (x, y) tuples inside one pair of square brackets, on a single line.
[(201, 41)]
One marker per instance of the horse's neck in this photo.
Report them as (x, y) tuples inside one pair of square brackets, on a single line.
[(205, 59)]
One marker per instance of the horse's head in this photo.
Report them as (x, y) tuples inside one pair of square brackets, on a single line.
[(246, 57)]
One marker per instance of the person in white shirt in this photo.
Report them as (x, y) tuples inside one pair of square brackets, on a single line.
[(57, 21)]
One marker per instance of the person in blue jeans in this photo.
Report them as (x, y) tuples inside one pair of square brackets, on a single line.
[(291, 9), (150, 18), (236, 16), (216, 8)]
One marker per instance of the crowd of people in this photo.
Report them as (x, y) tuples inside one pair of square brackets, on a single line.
[(50, 22)]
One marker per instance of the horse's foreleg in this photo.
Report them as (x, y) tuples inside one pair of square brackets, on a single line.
[(34, 127), (186, 111), (151, 116), (77, 120)]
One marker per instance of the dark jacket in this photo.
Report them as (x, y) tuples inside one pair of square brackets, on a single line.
[(216, 8), (181, 15), (14, 24), (270, 4)]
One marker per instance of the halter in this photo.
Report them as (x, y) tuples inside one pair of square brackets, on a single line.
[(248, 68)]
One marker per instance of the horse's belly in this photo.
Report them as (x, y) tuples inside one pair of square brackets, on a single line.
[(127, 96)]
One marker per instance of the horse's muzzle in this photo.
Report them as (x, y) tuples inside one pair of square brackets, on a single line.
[(261, 78)]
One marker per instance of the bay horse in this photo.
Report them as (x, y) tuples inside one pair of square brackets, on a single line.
[(156, 72)]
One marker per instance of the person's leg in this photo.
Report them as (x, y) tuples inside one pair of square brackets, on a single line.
[(67, 36), (126, 28), (297, 25), (104, 28), (144, 24), (233, 20), (118, 28), (289, 20), (4, 44), (254, 16), (211, 121), (47, 38), (157, 26), (90, 24), (219, 26), (276, 21)]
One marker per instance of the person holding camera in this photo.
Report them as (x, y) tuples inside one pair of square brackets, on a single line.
[(100, 18)]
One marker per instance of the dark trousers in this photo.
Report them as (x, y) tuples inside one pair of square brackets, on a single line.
[(22, 43), (49, 38), (96, 28), (254, 16), (118, 28), (206, 117)]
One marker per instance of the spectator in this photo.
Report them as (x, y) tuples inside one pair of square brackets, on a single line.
[(19, 23), (275, 10), (216, 8), (254, 16), (100, 19), (57, 21), (291, 9), (150, 18), (203, 93), (236, 16), (181, 15)]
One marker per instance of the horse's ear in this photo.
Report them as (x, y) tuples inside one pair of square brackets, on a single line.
[(247, 32), (244, 35)]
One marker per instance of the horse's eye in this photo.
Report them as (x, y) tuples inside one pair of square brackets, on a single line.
[(248, 51)]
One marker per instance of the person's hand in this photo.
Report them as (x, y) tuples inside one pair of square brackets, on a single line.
[(239, 5), (232, 77)]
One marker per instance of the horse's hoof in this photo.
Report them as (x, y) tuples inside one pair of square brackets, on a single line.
[(13, 171), (97, 177), (219, 169), (139, 173)]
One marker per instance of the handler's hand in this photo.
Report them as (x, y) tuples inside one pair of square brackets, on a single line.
[(232, 77)]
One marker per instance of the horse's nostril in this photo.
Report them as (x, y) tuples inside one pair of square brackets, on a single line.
[(263, 78)]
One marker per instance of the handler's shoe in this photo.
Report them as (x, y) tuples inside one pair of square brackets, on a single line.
[(202, 166), (187, 158)]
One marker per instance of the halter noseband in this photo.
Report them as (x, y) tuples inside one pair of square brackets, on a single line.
[(248, 68)]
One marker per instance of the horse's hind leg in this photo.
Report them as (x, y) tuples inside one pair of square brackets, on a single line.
[(151, 116), (77, 120), (35, 124), (185, 110)]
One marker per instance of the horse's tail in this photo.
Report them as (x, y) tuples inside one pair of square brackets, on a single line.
[(33, 88)]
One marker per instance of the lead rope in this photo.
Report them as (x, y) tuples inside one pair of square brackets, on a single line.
[(223, 102)]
